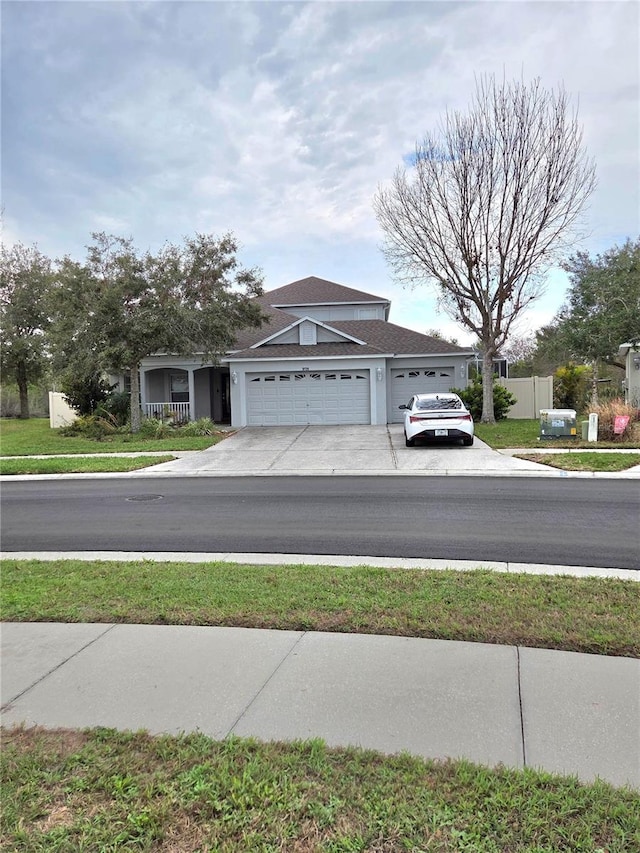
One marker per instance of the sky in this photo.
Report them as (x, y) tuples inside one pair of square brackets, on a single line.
[(279, 121)]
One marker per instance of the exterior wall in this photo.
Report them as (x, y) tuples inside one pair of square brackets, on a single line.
[(326, 336), (532, 393), (292, 336), (202, 384), (60, 412), (156, 386), (239, 370), (372, 311)]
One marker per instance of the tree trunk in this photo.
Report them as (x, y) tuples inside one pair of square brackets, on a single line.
[(21, 381), (135, 398), (488, 416)]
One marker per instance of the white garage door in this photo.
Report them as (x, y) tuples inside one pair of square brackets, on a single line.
[(324, 397), (405, 382)]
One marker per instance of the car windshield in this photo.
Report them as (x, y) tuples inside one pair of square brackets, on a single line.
[(439, 403)]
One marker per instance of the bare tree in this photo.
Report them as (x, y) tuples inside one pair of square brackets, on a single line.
[(490, 204)]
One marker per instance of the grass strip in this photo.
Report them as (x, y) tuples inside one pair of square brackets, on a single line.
[(595, 615), (525, 432), (585, 461), (104, 790), (82, 465), (34, 437)]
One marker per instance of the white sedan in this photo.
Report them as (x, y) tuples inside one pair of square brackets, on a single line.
[(437, 416)]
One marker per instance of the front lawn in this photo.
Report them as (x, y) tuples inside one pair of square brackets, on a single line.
[(35, 437), (104, 790), (595, 615), (81, 465), (585, 461), (526, 433)]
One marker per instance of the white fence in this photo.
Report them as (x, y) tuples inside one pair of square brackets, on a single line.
[(60, 412), (179, 413), (532, 393)]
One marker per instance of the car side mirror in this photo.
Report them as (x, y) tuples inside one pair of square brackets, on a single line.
[(403, 406)]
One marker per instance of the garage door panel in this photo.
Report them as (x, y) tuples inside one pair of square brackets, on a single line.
[(319, 397), (405, 382)]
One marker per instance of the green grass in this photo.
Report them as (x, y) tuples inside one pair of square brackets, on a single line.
[(107, 791), (585, 461), (594, 615), (35, 437), (526, 432), (81, 465)]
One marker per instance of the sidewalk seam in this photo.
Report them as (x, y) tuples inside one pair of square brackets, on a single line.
[(15, 698), (259, 692), (522, 736)]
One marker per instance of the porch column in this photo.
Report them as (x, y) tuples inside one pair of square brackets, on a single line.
[(192, 393)]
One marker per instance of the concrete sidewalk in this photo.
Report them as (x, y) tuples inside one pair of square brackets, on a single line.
[(563, 712)]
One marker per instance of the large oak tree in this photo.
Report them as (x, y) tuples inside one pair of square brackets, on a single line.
[(488, 205), (122, 305)]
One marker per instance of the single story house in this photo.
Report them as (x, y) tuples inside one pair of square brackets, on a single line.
[(629, 354), (326, 355)]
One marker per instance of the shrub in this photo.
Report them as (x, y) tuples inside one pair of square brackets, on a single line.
[(472, 397), (608, 411), (154, 428), (571, 386), (117, 405), (203, 426), (84, 390), (91, 426)]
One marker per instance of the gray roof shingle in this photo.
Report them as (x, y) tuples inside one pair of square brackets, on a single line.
[(317, 291)]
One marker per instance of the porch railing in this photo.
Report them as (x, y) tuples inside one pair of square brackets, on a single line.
[(179, 413)]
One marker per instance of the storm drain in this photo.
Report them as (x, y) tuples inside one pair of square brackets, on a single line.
[(145, 498)]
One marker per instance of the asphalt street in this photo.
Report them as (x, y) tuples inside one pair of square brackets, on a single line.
[(568, 522)]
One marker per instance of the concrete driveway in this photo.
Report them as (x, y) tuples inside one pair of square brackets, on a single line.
[(339, 450)]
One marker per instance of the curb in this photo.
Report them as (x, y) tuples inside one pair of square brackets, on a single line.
[(324, 560)]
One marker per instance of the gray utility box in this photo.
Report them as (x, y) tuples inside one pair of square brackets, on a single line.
[(558, 423)]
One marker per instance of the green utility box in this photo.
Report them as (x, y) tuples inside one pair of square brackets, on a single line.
[(585, 430), (558, 423)]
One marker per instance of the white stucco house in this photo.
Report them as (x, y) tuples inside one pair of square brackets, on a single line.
[(629, 354), (326, 355)]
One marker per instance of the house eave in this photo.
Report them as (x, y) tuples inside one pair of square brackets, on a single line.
[(299, 358)]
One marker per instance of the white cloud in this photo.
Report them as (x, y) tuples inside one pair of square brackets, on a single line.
[(279, 120)]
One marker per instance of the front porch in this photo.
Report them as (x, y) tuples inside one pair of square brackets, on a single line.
[(185, 394)]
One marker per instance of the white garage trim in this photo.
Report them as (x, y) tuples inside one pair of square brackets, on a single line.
[(407, 381), (283, 398)]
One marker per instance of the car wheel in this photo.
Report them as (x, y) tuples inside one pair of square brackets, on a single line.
[(467, 442), (409, 442)]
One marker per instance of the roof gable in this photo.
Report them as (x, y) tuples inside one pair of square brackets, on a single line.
[(278, 336)]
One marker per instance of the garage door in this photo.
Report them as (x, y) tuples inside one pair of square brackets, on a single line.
[(417, 380), (324, 397)]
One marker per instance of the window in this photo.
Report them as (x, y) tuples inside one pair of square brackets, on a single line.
[(179, 387), (439, 403)]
